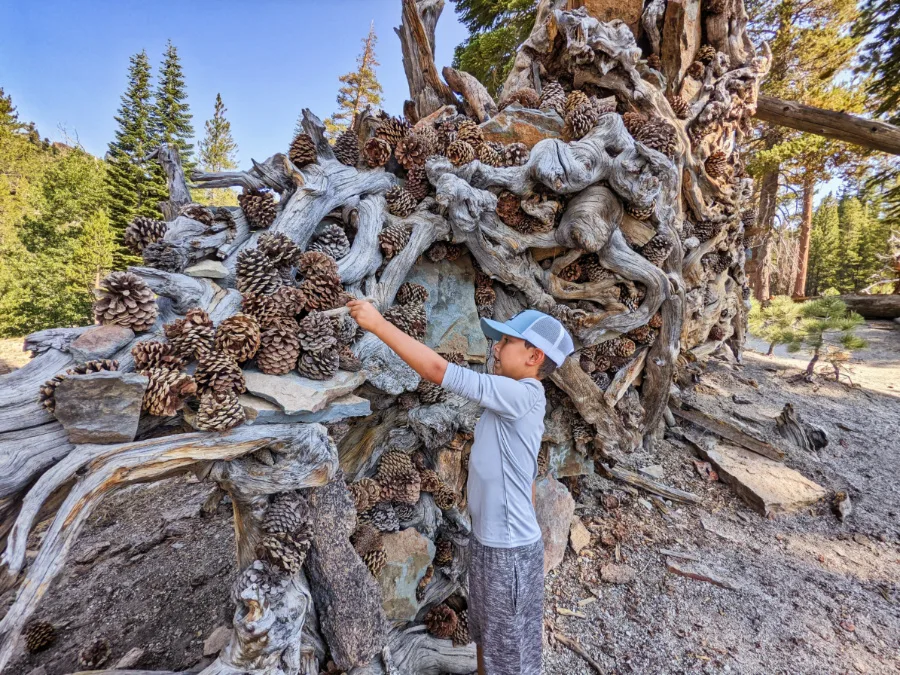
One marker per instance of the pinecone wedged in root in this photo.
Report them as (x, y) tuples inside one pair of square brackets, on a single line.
[(486, 154), (167, 391), (717, 333), (255, 273), (347, 360), (259, 207), (400, 201), (445, 497), (322, 284), (143, 231), (441, 621), (437, 251), (279, 349), (460, 152), (316, 332), (619, 346), (716, 165), (398, 477), (219, 411), (411, 293), (469, 132), (571, 272), (633, 121), (423, 583), (319, 365), (660, 136), (197, 212), (643, 335), (155, 354), (697, 70), (124, 299), (640, 212), (580, 120), (412, 151), (576, 99), (346, 148), (39, 635), (679, 106), (430, 393), (377, 152), (515, 154), (443, 553), (332, 241), (366, 492), (430, 480), (553, 97), (410, 318), (94, 654), (303, 150), (655, 321), (392, 239), (417, 183), (219, 372), (706, 54), (392, 130), (525, 97), (279, 249), (658, 249)]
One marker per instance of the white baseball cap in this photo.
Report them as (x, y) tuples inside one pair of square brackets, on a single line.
[(541, 330)]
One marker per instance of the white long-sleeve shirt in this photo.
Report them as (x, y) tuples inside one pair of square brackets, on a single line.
[(503, 463)]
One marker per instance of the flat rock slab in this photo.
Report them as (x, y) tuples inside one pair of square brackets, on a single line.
[(700, 572), (260, 411), (102, 407), (100, 342), (523, 125), (555, 508), (408, 556), (579, 537), (453, 323), (295, 394), (768, 486), (208, 269), (216, 641)]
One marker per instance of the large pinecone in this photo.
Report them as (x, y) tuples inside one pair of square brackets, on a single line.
[(166, 391), (460, 152), (94, 654), (437, 251), (193, 335), (319, 365), (716, 164), (576, 99), (392, 130), (219, 372), (707, 229), (469, 131), (265, 309), (400, 201), (640, 212), (322, 286), (219, 411), (618, 346), (410, 293), (392, 239), (412, 151), (430, 393), (655, 321), (443, 553), (333, 241), (39, 635), (580, 120), (658, 249), (238, 336), (515, 154), (316, 332), (259, 207), (527, 98), (441, 621), (303, 150), (659, 135), (155, 354), (124, 299), (679, 106), (417, 183), (287, 533), (633, 121), (487, 154), (365, 492), (430, 480), (382, 517), (643, 335), (255, 273), (279, 348), (143, 231), (485, 297), (717, 333), (445, 497), (509, 210), (348, 361), (377, 152), (346, 148), (398, 478), (197, 212), (553, 97), (279, 249), (290, 299), (706, 54), (696, 70), (410, 318), (366, 538)]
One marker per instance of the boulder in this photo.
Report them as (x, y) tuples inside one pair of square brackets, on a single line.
[(295, 394), (102, 407), (261, 411), (523, 125), (579, 537), (100, 342), (208, 269), (565, 461), (408, 556), (555, 508)]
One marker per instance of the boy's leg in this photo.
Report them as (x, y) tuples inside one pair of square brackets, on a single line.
[(530, 605)]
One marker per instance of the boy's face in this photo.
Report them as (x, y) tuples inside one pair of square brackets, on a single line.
[(513, 359)]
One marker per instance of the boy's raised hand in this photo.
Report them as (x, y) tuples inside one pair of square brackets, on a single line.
[(365, 314)]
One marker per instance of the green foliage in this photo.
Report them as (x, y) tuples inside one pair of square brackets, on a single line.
[(217, 153), (360, 88), (172, 117), (879, 24), (496, 29), (775, 322)]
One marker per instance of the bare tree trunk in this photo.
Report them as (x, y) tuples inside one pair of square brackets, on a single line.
[(759, 237), (809, 185)]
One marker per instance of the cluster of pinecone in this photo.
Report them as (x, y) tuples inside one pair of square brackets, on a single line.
[(444, 622), (601, 359), (408, 311), (286, 533)]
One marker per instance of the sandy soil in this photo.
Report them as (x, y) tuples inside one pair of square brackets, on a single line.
[(815, 596), (11, 355)]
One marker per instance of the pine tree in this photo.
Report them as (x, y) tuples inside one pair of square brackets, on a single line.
[(172, 117), (217, 153), (360, 88), (824, 248), (9, 118), (879, 25), (135, 189)]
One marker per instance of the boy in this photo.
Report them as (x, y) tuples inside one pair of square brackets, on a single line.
[(506, 569)]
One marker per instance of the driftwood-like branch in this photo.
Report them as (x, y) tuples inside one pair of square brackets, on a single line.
[(413, 650), (179, 194), (729, 432), (365, 253), (479, 103), (648, 484)]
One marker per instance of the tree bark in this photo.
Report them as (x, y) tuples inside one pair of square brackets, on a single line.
[(809, 188), (759, 237)]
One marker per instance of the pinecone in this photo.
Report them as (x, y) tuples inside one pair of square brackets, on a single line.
[(486, 154), (582, 433), (716, 165), (289, 300), (527, 98), (279, 348), (576, 99), (658, 249), (430, 480), (707, 54), (515, 154), (660, 136), (392, 130), (366, 538), (441, 621), (94, 654), (319, 365), (716, 333), (619, 346), (346, 148), (412, 151), (553, 97), (265, 309), (259, 207), (571, 272), (411, 319), (197, 212), (279, 249), (392, 239), (586, 361), (332, 241), (679, 106), (423, 583), (193, 335), (166, 256), (287, 514), (633, 121), (485, 297), (469, 131), (417, 183), (655, 321), (366, 492), (430, 393), (715, 262), (509, 210), (411, 293), (543, 460), (696, 70), (166, 391), (601, 379), (322, 284), (303, 150), (348, 361), (382, 517), (445, 498), (643, 335), (377, 152), (437, 251), (654, 62), (219, 411), (124, 299), (749, 216), (255, 273), (316, 332), (155, 354), (443, 553), (219, 372), (400, 201), (39, 635), (286, 552), (640, 212), (707, 229), (579, 121), (238, 336), (143, 231), (592, 268), (460, 152)]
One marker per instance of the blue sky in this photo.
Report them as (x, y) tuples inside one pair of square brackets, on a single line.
[(65, 62)]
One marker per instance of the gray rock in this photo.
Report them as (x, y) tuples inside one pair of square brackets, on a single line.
[(653, 471), (209, 269), (523, 125), (100, 342), (617, 574), (408, 556), (216, 641), (555, 508), (566, 461), (102, 407), (453, 323), (261, 411), (131, 659), (93, 552), (295, 394)]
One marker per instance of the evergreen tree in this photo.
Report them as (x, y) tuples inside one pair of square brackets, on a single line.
[(853, 226), (135, 189), (879, 25), (496, 29), (172, 117), (824, 248), (360, 88), (9, 118), (217, 153)]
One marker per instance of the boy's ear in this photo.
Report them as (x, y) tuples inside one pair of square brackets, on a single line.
[(537, 357)]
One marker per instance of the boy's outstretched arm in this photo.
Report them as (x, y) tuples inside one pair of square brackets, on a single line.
[(424, 360)]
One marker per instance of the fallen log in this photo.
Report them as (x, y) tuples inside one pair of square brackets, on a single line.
[(874, 306), (645, 483), (729, 432)]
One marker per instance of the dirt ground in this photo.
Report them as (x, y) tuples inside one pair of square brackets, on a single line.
[(814, 595)]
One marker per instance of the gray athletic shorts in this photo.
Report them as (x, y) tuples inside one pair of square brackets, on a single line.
[(506, 606)]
